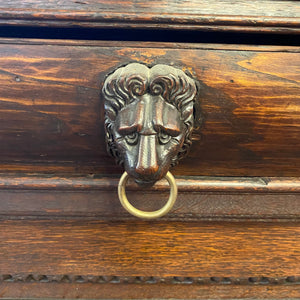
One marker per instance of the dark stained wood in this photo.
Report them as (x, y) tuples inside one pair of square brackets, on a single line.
[(227, 199), (135, 44), (185, 184), (150, 291), (163, 249), (249, 128), (257, 16), (105, 205), (234, 231)]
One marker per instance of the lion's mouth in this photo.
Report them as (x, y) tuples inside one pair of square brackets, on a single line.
[(145, 183)]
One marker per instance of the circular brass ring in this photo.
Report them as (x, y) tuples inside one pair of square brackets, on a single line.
[(147, 214)]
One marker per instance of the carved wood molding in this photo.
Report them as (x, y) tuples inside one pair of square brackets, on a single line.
[(13, 278), (185, 184), (216, 17)]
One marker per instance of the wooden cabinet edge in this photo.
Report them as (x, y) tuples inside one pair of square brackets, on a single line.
[(185, 184), (213, 199)]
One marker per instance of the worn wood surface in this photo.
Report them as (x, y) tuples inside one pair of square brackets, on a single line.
[(282, 185), (52, 242), (134, 260), (138, 291), (227, 199), (105, 205), (196, 249), (228, 15), (52, 112)]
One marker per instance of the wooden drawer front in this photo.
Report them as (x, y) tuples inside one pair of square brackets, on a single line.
[(51, 115), (150, 248), (63, 232), (146, 260)]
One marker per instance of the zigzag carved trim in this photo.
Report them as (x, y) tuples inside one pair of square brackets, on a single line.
[(146, 280)]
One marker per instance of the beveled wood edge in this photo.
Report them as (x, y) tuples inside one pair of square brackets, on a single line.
[(111, 279), (205, 28), (159, 45), (102, 19), (185, 184)]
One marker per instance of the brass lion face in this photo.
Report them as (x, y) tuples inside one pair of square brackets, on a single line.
[(149, 118)]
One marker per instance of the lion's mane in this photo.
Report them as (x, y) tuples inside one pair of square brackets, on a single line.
[(128, 83)]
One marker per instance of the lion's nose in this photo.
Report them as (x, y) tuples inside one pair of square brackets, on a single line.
[(147, 156)]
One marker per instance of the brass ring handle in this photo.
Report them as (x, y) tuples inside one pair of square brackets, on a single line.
[(147, 214)]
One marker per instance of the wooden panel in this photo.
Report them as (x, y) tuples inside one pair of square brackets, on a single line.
[(52, 115), (154, 248), (104, 205), (141, 291), (259, 15), (90, 198)]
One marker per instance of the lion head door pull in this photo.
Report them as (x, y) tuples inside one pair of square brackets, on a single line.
[(148, 122)]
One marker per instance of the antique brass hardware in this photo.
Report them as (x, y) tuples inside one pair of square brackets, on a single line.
[(148, 121), (147, 214)]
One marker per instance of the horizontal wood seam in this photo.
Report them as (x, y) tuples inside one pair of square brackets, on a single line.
[(146, 45)]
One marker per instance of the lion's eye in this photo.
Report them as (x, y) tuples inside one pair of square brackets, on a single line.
[(163, 138), (132, 138)]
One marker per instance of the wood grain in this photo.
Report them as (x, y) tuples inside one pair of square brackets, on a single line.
[(227, 199), (105, 205), (52, 115), (62, 229), (203, 249), (257, 16), (160, 291), (185, 184)]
